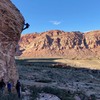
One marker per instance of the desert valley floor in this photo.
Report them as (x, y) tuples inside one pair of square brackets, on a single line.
[(55, 73)]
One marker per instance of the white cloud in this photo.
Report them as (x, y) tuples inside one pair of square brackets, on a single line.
[(55, 22)]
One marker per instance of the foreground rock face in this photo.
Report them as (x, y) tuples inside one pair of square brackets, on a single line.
[(56, 43), (11, 24), (45, 96)]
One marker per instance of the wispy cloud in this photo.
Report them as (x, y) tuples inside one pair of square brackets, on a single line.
[(55, 22)]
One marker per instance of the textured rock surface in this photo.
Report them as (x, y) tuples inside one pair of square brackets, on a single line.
[(45, 96), (56, 43), (11, 24)]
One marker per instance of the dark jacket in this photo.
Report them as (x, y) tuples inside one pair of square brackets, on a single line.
[(2, 84), (18, 86)]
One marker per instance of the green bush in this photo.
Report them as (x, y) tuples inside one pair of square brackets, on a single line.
[(44, 81), (34, 92), (10, 96), (61, 93)]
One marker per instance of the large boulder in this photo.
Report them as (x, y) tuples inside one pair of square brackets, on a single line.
[(11, 24)]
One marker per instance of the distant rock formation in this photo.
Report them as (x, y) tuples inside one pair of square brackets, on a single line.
[(11, 24), (56, 43)]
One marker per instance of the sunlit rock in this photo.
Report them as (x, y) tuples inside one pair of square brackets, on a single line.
[(11, 24)]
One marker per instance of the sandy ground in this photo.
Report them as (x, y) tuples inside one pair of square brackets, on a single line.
[(91, 64)]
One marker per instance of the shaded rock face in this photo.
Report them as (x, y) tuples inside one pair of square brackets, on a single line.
[(56, 43), (11, 24)]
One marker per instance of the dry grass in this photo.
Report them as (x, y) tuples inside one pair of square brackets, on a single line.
[(91, 64), (47, 72)]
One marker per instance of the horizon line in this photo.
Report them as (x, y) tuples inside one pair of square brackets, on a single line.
[(60, 30)]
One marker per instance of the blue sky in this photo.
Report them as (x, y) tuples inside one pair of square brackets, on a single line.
[(67, 15)]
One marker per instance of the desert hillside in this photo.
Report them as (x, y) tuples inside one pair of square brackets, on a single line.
[(56, 43)]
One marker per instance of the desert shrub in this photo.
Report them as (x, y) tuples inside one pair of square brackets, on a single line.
[(23, 88), (44, 81), (34, 92), (81, 95), (10, 96), (61, 93), (92, 96)]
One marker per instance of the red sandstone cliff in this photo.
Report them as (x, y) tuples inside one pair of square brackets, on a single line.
[(56, 43), (11, 24)]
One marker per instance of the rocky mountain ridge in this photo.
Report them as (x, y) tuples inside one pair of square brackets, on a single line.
[(57, 43)]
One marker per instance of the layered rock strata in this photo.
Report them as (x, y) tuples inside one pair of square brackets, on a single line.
[(56, 43)]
